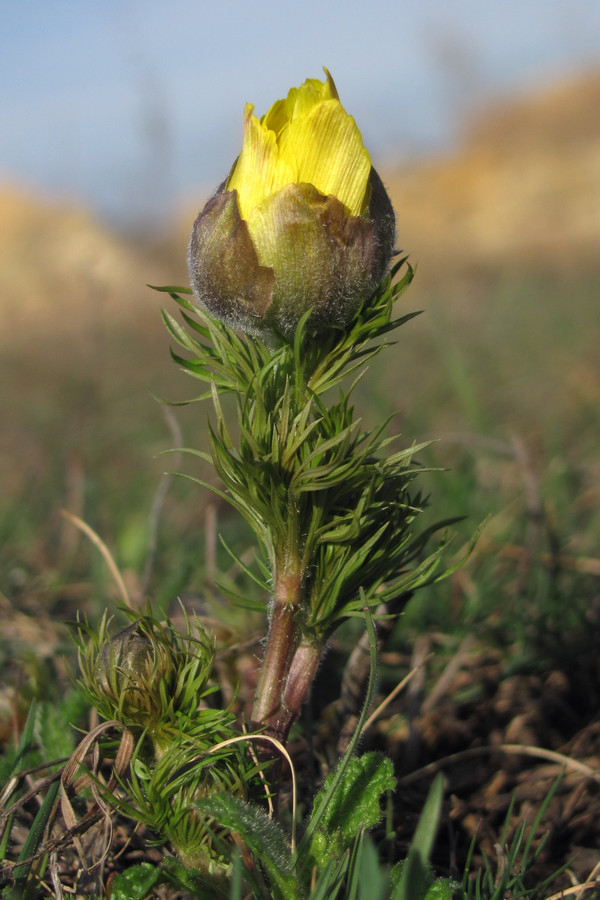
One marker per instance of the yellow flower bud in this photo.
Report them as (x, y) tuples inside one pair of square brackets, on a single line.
[(302, 222)]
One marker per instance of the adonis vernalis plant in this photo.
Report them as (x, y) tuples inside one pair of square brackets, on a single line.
[(294, 249)]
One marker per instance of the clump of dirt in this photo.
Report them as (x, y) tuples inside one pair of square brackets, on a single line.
[(504, 742)]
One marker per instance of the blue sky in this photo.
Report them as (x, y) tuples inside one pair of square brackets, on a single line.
[(135, 106)]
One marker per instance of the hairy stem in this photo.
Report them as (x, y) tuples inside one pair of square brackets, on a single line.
[(302, 672), (269, 709)]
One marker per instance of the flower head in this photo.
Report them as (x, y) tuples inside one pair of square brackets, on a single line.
[(149, 677), (302, 223)]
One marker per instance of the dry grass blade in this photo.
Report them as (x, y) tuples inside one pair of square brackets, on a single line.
[(70, 783), (30, 770), (515, 749), (106, 554), (393, 693), (128, 841), (577, 889), (279, 746), (91, 818), (55, 876), (25, 798), (124, 754), (446, 678)]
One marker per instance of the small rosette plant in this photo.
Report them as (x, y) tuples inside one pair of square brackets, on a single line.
[(302, 223), (148, 677), (154, 683)]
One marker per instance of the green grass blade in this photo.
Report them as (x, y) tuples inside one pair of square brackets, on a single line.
[(26, 741), (414, 880), (11, 769), (36, 832), (330, 879), (429, 820), (355, 868)]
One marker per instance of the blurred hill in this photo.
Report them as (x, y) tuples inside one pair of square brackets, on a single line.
[(61, 269), (522, 190)]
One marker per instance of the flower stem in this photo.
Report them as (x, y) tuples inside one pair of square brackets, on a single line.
[(302, 672), (269, 710)]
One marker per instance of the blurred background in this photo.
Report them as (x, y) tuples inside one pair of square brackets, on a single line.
[(118, 120)]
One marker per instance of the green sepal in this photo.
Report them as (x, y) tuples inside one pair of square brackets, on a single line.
[(170, 289)]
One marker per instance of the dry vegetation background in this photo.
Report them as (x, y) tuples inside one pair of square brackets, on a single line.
[(504, 365)]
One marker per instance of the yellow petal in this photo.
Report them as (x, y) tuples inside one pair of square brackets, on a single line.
[(259, 170), (306, 138), (298, 102), (325, 148)]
